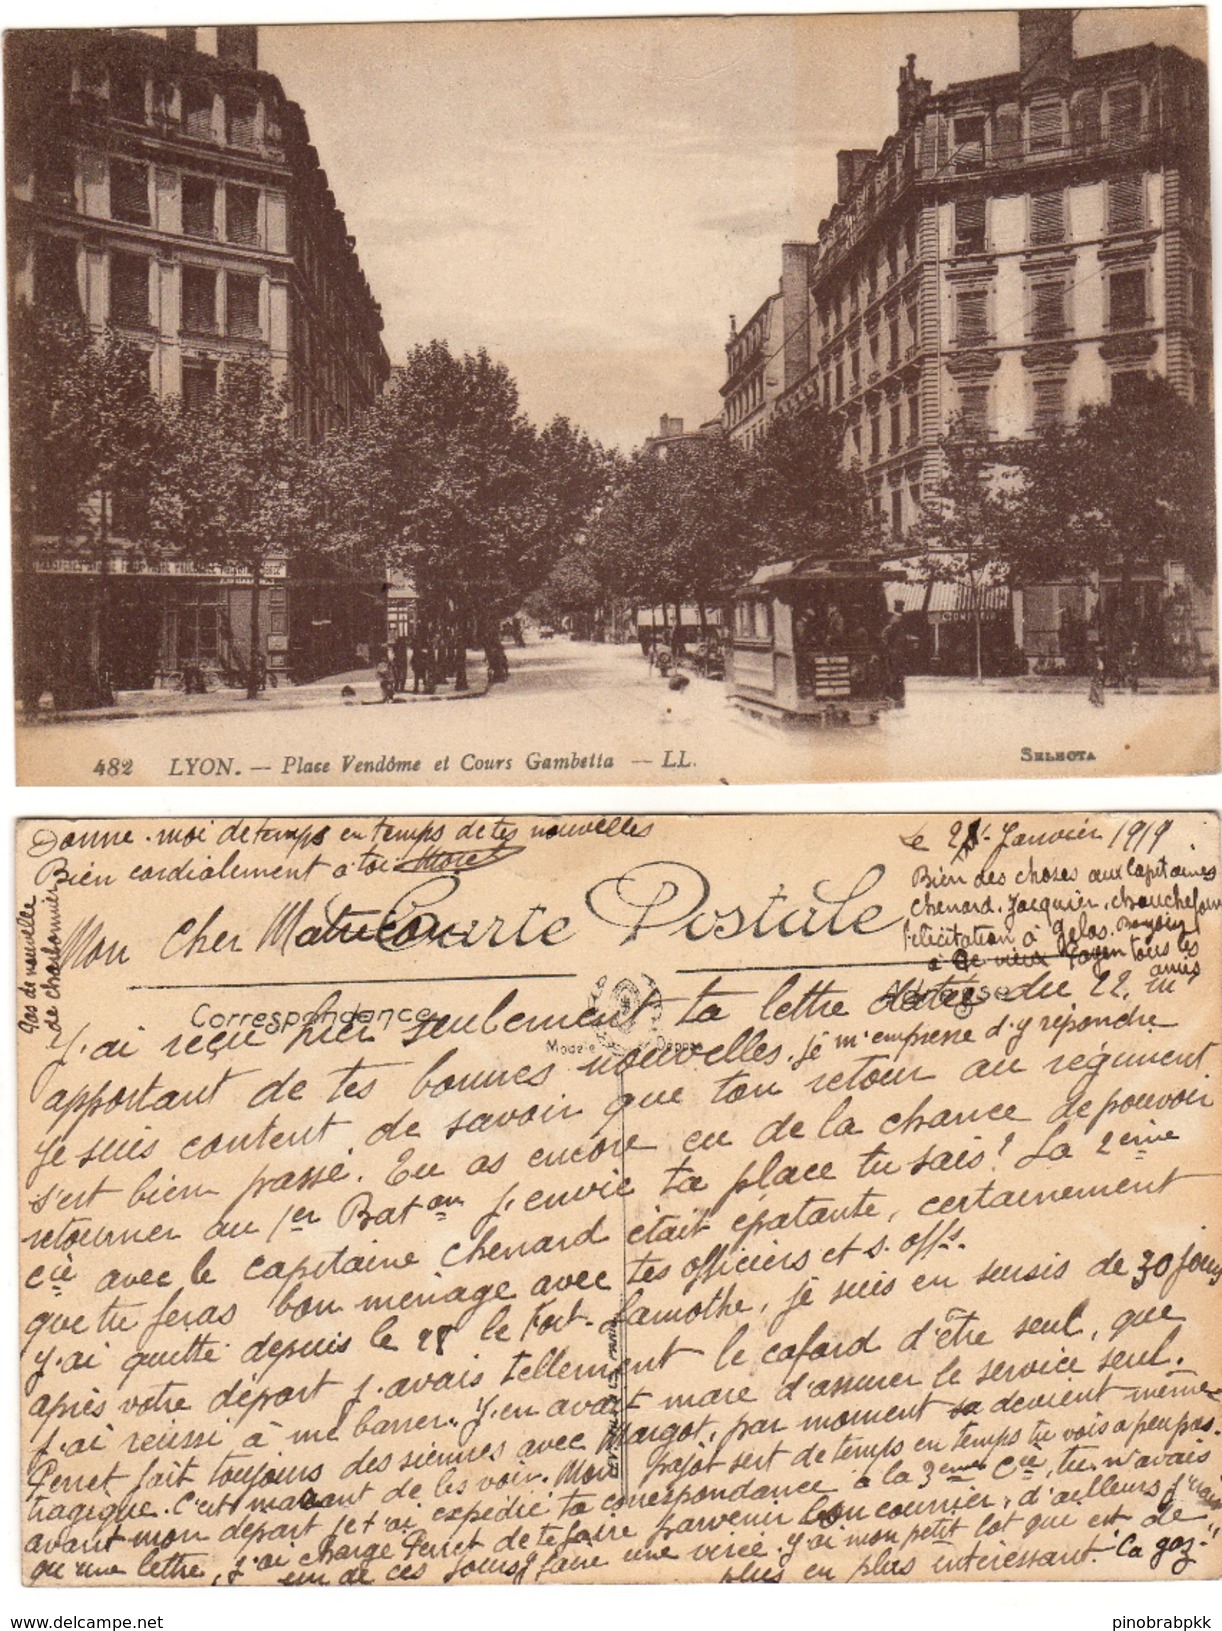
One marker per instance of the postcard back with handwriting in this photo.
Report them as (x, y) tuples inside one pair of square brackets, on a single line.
[(627, 1199)]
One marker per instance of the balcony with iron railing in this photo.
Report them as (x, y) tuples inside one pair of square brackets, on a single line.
[(1079, 146), (942, 160)]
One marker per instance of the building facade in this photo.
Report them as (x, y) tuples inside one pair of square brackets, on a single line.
[(671, 434), (754, 373), (1021, 245), (174, 196)]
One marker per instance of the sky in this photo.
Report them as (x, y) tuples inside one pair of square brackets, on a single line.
[(591, 200)]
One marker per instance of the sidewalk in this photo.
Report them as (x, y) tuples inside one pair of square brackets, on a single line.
[(327, 692), (1062, 684)]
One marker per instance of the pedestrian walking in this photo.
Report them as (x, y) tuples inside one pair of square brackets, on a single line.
[(420, 668)]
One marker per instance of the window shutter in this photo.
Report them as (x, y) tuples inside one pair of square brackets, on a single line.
[(969, 226), (198, 299), (1124, 113), (1048, 309), (969, 143), (972, 316), (55, 285), (1007, 134), (240, 115), (198, 207), (127, 95), (1125, 212), (242, 214), (129, 191), (1127, 299), (1047, 218), (129, 289), (1049, 401), (974, 408), (242, 306), (1087, 120), (1045, 126), (197, 112)]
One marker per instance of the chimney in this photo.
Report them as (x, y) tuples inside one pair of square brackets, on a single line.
[(851, 163), (669, 426), (180, 39), (795, 311), (238, 43), (911, 92), (1045, 45)]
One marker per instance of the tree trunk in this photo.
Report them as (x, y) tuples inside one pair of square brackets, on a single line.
[(425, 652), (99, 692), (458, 637), (253, 660), (494, 651)]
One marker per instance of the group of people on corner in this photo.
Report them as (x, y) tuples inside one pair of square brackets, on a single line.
[(431, 667), (397, 657)]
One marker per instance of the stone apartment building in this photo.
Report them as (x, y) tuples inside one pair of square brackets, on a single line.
[(755, 372), (1019, 246), (174, 195)]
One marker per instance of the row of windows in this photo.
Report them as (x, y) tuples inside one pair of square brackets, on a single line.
[(746, 400), (199, 302), (894, 514), (900, 340), (751, 341), (1046, 216), (322, 361), (1048, 125), (219, 212), (903, 423), (1047, 314), (131, 201), (56, 288), (840, 306), (311, 416), (1048, 400), (194, 109)]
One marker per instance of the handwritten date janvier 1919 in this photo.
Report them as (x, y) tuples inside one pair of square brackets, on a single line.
[(619, 1198)]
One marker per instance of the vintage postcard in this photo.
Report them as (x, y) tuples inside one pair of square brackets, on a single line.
[(478, 1200), (636, 401)]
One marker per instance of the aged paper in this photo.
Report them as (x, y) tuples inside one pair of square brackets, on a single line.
[(673, 400), (633, 1198)]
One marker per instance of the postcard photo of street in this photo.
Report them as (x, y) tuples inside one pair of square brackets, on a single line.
[(632, 401)]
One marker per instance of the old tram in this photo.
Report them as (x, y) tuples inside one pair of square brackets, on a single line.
[(812, 640)]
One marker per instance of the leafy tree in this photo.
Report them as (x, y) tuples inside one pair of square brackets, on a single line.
[(677, 527), (966, 530), (445, 477), (234, 486), (570, 590), (87, 439), (1126, 489), (804, 499)]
